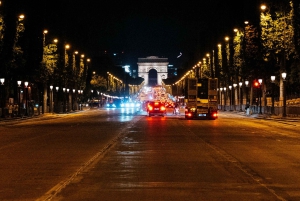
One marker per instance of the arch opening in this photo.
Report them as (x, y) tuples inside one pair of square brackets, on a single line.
[(152, 77)]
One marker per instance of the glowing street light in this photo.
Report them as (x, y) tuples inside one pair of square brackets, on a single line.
[(225, 97), (263, 7), (230, 102), (283, 75), (247, 83), (51, 99), (273, 84), (260, 95), (240, 95), (2, 81), (221, 89)]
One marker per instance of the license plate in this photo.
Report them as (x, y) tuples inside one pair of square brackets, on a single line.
[(156, 108), (202, 115)]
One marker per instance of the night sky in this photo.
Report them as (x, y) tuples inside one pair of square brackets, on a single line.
[(141, 28)]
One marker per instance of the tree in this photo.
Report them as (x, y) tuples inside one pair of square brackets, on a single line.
[(277, 36), (99, 83)]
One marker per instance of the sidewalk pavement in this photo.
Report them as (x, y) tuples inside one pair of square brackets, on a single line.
[(261, 116), (40, 116)]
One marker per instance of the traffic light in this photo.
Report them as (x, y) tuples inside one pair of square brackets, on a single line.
[(256, 84)]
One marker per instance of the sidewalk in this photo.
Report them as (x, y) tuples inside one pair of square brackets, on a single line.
[(40, 116), (260, 116)]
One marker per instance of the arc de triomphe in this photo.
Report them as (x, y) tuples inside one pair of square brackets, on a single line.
[(156, 63)]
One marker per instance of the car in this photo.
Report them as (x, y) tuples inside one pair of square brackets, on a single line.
[(156, 108), (130, 104), (110, 105)]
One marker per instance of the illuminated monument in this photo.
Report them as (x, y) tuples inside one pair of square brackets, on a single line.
[(153, 69)]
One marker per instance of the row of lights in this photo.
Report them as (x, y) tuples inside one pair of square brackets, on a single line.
[(2, 80), (80, 91), (208, 55), (114, 77), (67, 46)]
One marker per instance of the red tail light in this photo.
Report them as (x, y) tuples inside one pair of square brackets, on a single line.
[(162, 108), (215, 114), (150, 108)]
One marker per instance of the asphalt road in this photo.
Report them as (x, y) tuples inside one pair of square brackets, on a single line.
[(124, 155)]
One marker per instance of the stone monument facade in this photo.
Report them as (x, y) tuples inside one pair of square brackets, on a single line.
[(156, 63)]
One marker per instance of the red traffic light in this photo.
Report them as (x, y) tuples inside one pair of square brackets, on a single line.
[(256, 84)]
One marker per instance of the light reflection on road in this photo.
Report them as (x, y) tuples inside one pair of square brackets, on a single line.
[(129, 110), (124, 114)]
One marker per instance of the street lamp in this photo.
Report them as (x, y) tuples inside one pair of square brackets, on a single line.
[(283, 75), (56, 106), (79, 97), (240, 95), (260, 94), (273, 85), (51, 99), (2, 97), (221, 89), (19, 95), (73, 100), (69, 100), (26, 94), (247, 83), (98, 98), (234, 102), (64, 104), (225, 97), (263, 7), (230, 88), (2, 81)]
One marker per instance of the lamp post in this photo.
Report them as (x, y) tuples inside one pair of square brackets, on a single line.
[(98, 98), (19, 95), (234, 102), (230, 100), (2, 98), (26, 96), (79, 97), (73, 99), (240, 95), (225, 97), (221, 89), (273, 84), (260, 94), (51, 99), (247, 83), (284, 93), (57, 108), (64, 104), (69, 100)]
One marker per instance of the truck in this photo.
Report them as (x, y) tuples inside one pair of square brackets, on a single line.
[(201, 98)]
